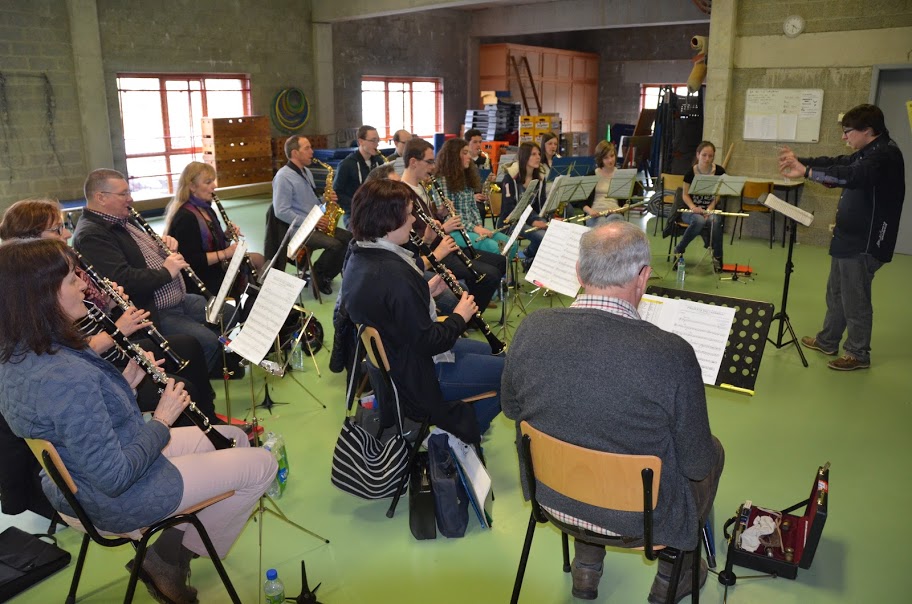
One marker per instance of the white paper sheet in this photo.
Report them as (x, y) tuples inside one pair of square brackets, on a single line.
[(274, 302), (704, 326), (554, 266), (304, 231), (786, 209), (517, 230), (215, 308)]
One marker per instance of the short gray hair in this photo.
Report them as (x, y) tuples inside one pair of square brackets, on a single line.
[(97, 180), (612, 255)]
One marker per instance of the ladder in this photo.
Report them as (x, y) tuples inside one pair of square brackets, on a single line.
[(522, 83)]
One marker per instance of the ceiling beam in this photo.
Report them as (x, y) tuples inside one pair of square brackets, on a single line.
[(330, 11)]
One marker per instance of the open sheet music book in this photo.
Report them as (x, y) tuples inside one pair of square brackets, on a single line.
[(554, 266), (709, 184), (524, 201), (704, 326), (567, 189), (304, 231), (788, 210), (621, 183)]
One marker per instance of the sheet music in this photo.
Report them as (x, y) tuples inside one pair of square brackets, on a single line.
[(524, 201), (704, 184), (788, 210), (475, 473), (304, 231), (554, 266), (704, 326), (214, 310), (519, 228), (279, 293)]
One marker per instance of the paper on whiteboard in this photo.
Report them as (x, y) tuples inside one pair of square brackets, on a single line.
[(274, 302), (213, 310), (519, 228), (704, 326), (554, 266), (304, 231)]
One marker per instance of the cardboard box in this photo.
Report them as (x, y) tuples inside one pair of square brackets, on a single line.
[(526, 121)]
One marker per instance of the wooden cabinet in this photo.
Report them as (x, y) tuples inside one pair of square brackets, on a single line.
[(566, 81), (239, 148)]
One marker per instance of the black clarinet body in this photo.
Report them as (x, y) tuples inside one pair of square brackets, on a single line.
[(451, 208), (421, 214), (135, 353), (497, 347), (187, 270), (104, 284)]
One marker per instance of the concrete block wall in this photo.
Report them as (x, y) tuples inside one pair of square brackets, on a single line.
[(428, 44), (271, 41), (41, 150), (765, 17)]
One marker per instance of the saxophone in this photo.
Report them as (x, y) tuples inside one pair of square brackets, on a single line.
[(332, 212)]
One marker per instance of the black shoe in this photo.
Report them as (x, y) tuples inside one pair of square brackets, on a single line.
[(325, 287)]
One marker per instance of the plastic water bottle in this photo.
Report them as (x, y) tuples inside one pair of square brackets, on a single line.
[(681, 273), (275, 444), (274, 588), (297, 357)]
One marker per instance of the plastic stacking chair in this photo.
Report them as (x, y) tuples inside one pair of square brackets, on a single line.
[(627, 483), (50, 460), (753, 190), (378, 364)]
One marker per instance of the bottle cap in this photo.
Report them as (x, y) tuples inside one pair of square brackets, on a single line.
[(271, 574)]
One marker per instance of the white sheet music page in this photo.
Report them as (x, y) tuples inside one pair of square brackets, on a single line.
[(519, 228), (212, 312), (704, 326), (554, 266), (303, 232), (786, 209), (274, 302)]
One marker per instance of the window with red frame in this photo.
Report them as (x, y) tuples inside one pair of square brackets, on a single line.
[(413, 104), (161, 116)]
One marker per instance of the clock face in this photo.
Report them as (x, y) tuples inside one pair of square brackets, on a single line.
[(793, 26)]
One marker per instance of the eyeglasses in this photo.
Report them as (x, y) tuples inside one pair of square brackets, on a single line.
[(57, 229), (847, 130), (127, 194), (372, 140), (429, 162)]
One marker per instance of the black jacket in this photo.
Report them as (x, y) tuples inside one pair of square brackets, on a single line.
[(382, 291), (873, 187), (185, 228), (350, 174), (111, 250)]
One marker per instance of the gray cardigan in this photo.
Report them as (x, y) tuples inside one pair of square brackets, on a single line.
[(85, 407), (610, 383)]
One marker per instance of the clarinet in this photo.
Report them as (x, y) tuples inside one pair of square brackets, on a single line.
[(187, 270), (497, 347), (420, 213), (218, 440), (231, 231), (104, 285), (452, 210)]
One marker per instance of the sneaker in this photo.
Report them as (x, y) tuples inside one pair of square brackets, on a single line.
[(585, 580), (848, 363), (659, 592), (809, 342)]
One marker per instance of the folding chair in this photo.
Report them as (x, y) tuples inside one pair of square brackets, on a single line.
[(50, 460), (753, 190), (627, 483)]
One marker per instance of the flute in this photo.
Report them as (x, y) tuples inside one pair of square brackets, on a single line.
[(622, 210), (136, 354), (452, 211), (714, 212), (422, 215), (231, 231), (497, 347), (104, 284), (187, 270)]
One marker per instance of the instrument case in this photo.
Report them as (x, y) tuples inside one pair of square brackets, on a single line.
[(803, 535)]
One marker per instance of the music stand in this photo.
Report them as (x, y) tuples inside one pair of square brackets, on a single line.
[(795, 214), (567, 189)]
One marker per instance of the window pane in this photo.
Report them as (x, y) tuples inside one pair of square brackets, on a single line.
[(398, 86), (373, 111), (179, 120), (373, 85), (176, 85), (179, 162), (142, 120), (138, 83), (224, 103), (146, 166), (224, 84), (425, 112), (424, 86)]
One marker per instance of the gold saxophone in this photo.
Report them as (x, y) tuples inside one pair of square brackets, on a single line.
[(332, 212)]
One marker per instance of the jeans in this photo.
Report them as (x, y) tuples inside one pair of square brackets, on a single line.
[(475, 371), (535, 239), (329, 264), (189, 318), (695, 225), (848, 301), (489, 245)]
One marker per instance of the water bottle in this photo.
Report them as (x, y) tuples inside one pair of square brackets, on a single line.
[(681, 272), (297, 357), (275, 444), (274, 588)]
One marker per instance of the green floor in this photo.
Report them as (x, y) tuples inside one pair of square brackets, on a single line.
[(798, 419)]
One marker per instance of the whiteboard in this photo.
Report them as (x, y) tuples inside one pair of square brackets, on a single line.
[(783, 114)]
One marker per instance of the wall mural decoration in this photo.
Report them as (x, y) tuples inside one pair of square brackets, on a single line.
[(290, 110)]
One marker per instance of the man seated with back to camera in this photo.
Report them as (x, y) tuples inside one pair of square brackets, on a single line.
[(630, 413)]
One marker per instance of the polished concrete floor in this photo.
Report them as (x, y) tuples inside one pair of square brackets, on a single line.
[(798, 419)]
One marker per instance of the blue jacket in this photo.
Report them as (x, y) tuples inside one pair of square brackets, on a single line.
[(85, 407)]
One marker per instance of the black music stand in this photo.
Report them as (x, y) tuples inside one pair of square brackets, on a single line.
[(746, 340)]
